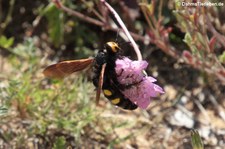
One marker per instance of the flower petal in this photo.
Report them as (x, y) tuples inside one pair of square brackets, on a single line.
[(141, 87)]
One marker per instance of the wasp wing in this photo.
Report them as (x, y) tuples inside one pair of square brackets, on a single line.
[(65, 68), (100, 83)]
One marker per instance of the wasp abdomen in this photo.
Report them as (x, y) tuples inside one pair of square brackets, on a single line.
[(114, 95)]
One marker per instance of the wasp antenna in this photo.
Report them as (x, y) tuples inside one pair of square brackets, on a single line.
[(117, 35), (124, 42)]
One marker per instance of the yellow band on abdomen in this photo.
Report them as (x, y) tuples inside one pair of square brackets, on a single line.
[(115, 101), (107, 92)]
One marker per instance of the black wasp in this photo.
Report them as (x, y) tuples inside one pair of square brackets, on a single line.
[(104, 78)]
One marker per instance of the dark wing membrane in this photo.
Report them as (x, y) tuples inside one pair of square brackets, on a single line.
[(65, 68), (100, 83)]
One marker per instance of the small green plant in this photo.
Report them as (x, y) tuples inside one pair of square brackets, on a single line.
[(6, 42), (59, 143), (201, 37), (196, 140), (55, 19), (65, 105)]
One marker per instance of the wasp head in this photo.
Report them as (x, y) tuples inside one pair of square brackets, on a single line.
[(112, 47)]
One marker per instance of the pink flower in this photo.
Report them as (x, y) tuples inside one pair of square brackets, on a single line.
[(139, 87), (130, 72)]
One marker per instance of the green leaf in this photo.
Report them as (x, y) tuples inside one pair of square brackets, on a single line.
[(188, 38), (178, 4), (196, 140), (60, 143), (200, 38), (55, 19), (222, 57), (6, 43)]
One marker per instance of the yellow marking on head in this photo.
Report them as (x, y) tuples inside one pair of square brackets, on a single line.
[(113, 46), (115, 101), (107, 92)]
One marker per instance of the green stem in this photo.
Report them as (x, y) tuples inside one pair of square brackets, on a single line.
[(8, 19)]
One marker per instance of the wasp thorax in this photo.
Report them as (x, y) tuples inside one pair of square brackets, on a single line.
[(112, 46)]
